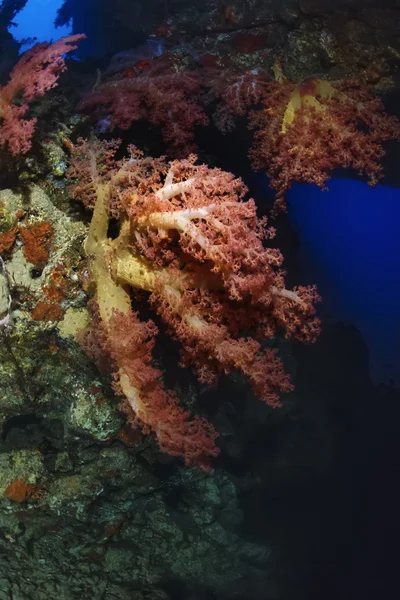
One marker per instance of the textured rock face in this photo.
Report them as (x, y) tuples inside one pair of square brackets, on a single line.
[(82, 509), (87, 507), (312, 36)]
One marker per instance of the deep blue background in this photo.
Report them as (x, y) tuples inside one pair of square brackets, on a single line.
[(350, 247), (36, 20)]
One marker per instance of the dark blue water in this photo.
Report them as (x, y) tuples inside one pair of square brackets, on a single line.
[(36, 20), (350, 246)]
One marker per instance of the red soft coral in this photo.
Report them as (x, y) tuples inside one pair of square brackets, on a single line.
[(167, 100), (128, 343), (102, 155), (305, 131), (217, 279), (236, 94), (190, 240), (35, 73)]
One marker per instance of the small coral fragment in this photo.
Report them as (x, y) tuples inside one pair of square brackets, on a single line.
[(18, 490), (7, 239), (37, 239)]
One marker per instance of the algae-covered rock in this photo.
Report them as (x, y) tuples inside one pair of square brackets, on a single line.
[(20, 465), (92, 414)]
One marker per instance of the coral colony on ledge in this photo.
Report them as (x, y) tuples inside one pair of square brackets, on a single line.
[(188, 236), (189, 239), (166, 361)]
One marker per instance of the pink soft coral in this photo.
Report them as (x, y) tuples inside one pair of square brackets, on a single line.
[(307, 130), (167, 99), (191, 242), (35, 73), (225, 281), (128, 343)]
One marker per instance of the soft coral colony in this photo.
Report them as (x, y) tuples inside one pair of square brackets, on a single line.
[(190, 240), (303, 130), (36, 73)]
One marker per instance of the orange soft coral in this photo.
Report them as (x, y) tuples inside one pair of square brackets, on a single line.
[(37, 238)]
